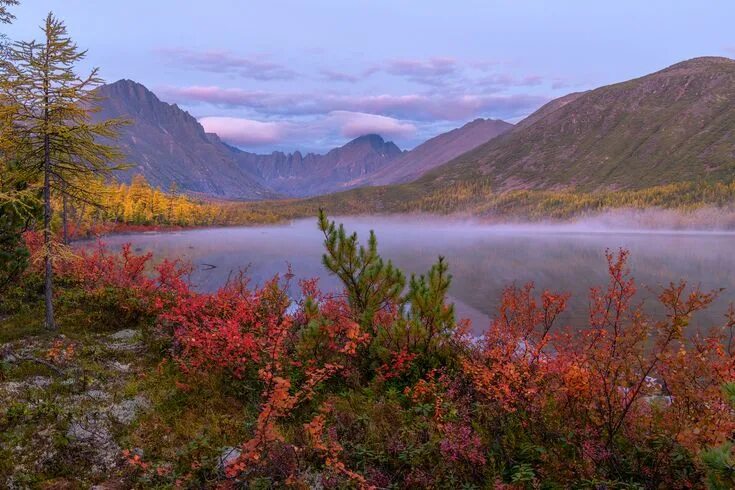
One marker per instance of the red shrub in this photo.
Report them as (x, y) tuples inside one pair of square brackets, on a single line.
[(626, 381)]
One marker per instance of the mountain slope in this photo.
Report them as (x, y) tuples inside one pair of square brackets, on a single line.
[(662, 140), (167, 146), (436, 151), (674, 125), (295, 174)]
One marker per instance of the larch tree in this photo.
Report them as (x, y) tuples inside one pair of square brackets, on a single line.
[(18, 199), (62, 147), (5, 16)]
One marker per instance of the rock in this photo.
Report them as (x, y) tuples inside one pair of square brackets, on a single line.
[(119, 484), (127, 334), (119, 366), (16, 387), (127, 410), (92, 430), (9, 358), (98, 395), (124, 340), (40, 381), (12, 387), (227, 457)]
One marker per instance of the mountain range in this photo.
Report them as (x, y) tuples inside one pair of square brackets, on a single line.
[(294, 174), (668, 132), (168, 146), (674, 125)]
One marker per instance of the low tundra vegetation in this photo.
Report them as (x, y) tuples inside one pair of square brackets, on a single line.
[(380, 385)]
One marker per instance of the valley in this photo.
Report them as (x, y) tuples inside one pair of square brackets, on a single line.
[(367, 245)]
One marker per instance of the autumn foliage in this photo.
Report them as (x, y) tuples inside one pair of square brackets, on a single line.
[(382, 387)]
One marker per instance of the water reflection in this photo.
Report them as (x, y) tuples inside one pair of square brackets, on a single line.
[(482, 259)]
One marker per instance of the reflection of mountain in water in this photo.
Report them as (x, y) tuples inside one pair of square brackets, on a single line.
[(483, 260)]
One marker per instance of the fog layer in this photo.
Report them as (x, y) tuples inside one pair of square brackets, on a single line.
[(483, 258)]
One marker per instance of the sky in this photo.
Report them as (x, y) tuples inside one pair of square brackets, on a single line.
[(311, 75)]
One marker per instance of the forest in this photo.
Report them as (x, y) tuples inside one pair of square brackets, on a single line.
[(116, 371), (140, 206)]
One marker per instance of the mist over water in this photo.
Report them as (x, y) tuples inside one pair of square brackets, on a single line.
[(483, 259)]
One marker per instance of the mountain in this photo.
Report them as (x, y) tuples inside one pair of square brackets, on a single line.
[(167, 145), (295, 174), (435, 152), (548, 108), (675, 125), (665, 139)]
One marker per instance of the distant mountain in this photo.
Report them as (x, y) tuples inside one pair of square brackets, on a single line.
[(167, 145), (295, 174), (435, 152), (674, 125)]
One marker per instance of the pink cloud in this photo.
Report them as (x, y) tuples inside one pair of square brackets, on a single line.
[(332, 127), (355, 124), (418, 107), (257, 67), (246, 132), (431, 71)]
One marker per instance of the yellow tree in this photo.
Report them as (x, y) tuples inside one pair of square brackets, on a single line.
[(61, 143)]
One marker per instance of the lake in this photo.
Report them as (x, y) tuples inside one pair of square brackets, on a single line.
[(483, 259)]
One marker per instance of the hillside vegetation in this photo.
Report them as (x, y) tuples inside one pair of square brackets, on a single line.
[(477, 199), (671, 126)]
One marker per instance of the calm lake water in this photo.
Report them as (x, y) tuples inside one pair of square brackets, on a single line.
[(483, 259)]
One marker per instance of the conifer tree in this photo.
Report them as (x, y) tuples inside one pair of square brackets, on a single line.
[(429, 313), (61, 145), (370, 282), (5, 16), (17, 197)]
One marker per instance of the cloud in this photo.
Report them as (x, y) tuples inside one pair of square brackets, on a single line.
[(245, 132), (338, 76), (219, 61), (416, 107), (332, 127), (431, 71), (503, 80), (355, 124)]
